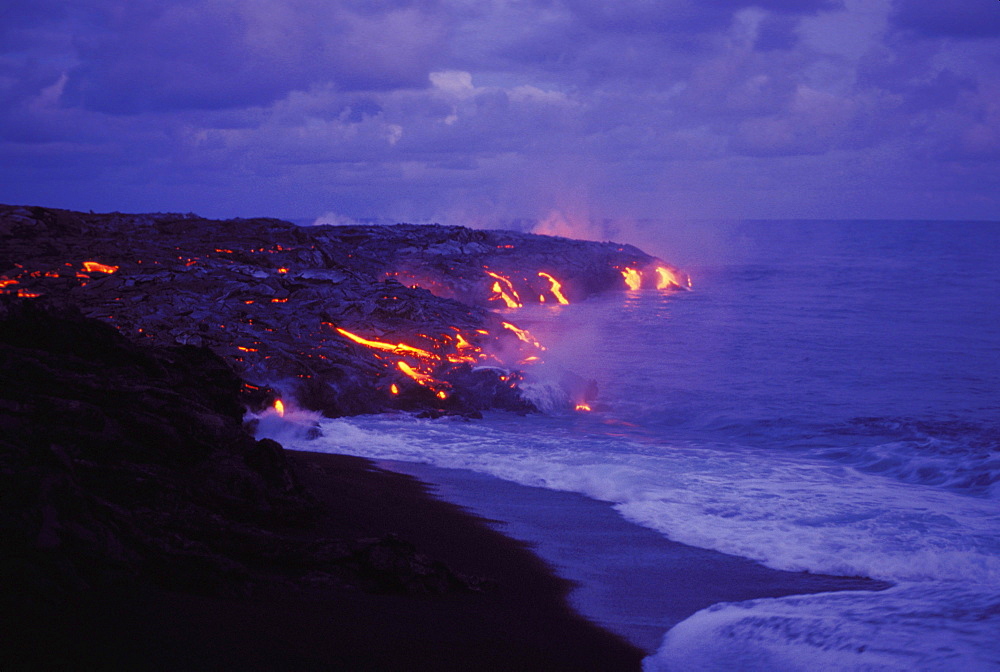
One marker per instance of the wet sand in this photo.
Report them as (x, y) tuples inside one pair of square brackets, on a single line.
[(629, 579)]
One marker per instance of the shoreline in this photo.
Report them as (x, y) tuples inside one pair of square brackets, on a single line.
[(626, 578), (145, 528), (519, 619)]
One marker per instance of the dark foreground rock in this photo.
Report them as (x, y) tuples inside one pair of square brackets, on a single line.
[(141, 527), (124, 461), (344, 320)]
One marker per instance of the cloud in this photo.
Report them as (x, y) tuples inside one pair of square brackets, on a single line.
[(931, 18), (567, 111), (218, 54)]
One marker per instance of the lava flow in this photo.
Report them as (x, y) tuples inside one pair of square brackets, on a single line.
[(660, 278), (503, 289), (398, 348), (665, 278), (97, 267), (431, 367), (555, 288), (352, 319), (633, 278)]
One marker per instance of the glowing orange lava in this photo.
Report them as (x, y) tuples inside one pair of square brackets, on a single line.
[(524, 335), (582, 406), (633, 278), (96, 267), (665, 278), (398, 348), (556, 288), (421, 378), (394, 388), (279, 408), (503, 289), (461, 343)]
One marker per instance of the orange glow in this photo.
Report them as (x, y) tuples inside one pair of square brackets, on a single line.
[(279, 408), (582, 406), (279, 300), (246, 349), (442, 395), (500, 294), (399, 348), (394, 389), (556, 288), (421, 378), (95, 267), (665, 278), (504, 289), (282, 270), (25, 294), (462, 344), (633, 278), (7, 282), (524, 335)]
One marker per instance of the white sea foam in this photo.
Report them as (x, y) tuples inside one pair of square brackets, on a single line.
[(909, 627), (790, 514), (778, 413)]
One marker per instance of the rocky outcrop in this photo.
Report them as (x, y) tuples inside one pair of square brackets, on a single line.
[(129, 463), (345, 320)]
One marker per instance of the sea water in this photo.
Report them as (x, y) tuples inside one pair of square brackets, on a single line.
[(825, 399)]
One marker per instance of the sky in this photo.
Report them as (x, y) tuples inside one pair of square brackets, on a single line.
[(477, 112)]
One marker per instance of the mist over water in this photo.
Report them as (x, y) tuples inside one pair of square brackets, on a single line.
[(827, 399)]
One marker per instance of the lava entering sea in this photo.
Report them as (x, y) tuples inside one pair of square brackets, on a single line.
[(344, 320)]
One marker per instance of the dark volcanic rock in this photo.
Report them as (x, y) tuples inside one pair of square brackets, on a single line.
[(281, 303), (122, 462)]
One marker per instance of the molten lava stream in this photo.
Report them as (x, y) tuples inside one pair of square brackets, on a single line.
[(555, 289), (398, 348), (509, 295), (633, 278), (665, 278), (96, 267), (524, 335)]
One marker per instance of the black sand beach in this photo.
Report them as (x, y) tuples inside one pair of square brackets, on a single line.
[(629, 579), (145, 528), (519, 621)]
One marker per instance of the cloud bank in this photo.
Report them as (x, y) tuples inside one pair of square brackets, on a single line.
[(483, 111)]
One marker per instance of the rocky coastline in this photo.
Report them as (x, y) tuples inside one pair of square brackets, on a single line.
[(143, 526), (344, 320)]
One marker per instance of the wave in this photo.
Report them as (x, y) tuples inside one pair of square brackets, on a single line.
[(952, 454)]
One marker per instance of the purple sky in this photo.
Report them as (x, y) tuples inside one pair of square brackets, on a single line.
[(476, 111)]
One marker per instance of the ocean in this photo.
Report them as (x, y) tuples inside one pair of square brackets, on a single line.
[(826, 399)]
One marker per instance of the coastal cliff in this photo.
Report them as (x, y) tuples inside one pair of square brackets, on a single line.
[(342, 320)]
